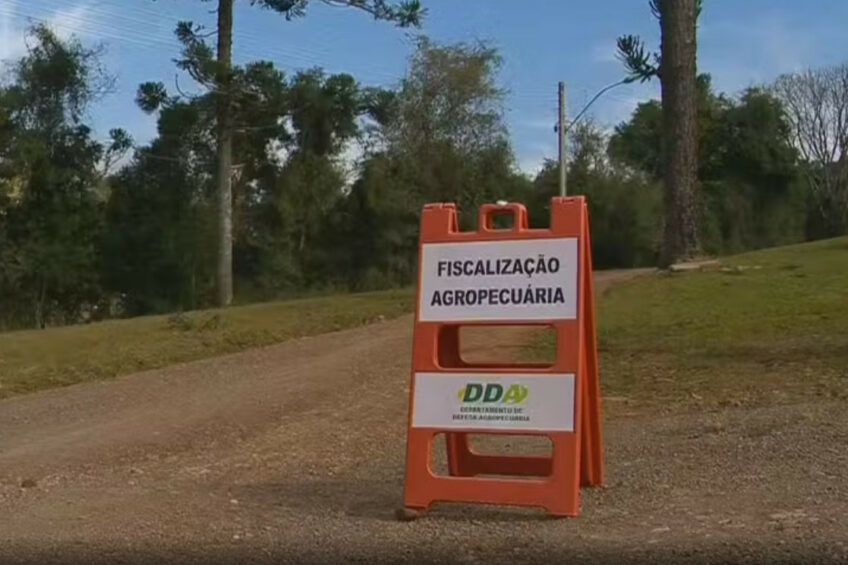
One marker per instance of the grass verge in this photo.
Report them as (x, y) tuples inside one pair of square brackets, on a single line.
[(772, 329), (39, 359)]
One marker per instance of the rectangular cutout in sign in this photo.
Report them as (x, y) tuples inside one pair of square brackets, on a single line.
[(529, 279), (485, 345), (494, 402)]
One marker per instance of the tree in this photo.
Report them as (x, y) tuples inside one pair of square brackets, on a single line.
[(49, 170), (324, 110), (297, 209), (638, 142), (816, 107), (447, 131), (216, 74), (158, 246), (167, 192), (748, 171), (287, 138), (676, 68), (441, 138), (449, 94), (624, 205)]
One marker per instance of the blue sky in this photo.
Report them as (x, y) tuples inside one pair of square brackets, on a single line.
[(741, 43)]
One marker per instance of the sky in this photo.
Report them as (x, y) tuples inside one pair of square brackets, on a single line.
[(741, 43)]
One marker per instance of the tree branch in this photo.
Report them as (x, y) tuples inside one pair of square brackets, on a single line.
[(181, 91)]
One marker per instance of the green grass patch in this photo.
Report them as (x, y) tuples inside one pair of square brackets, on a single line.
[(774, 328), (39, 359)]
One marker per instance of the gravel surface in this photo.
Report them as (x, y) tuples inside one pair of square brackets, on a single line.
[(295, 452)]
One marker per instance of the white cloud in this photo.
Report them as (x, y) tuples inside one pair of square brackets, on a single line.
[(350, 158), (12, 44), (546, 123), (74, 20), (604, 53), (530, 166), (617, 109), (741, 54), (533, 157), (16, 17)]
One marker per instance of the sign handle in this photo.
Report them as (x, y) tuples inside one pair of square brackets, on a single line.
[(489, 211)]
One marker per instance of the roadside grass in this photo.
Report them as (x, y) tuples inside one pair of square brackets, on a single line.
[(39, 359), (773, 330)]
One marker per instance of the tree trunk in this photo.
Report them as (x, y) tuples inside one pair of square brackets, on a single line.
[(680, 133), (41, 298), (225, 153)]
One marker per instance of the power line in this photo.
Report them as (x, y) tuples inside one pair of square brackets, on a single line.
[(128, 38), (291, 58), (135, 25)]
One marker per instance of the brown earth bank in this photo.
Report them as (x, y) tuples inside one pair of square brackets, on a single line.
[(295, 452)]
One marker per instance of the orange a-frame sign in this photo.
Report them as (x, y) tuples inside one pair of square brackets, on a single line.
[(504, 277)]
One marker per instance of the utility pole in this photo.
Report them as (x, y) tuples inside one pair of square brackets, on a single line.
[(562, 128), (561, 131)]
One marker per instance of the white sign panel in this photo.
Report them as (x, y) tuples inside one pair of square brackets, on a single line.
[(532, 279), (494, 402)]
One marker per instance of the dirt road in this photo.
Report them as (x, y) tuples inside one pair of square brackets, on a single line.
[(294, 453)]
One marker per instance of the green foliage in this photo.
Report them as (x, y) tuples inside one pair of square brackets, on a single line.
[(625, 208), (55, 81), (637, 143), (441, 138), (749, 174), (288, 134), (379, 227), (197, 57), (50, 208), (323, 111), (307, 190), (641, 64), (449, 96), (630, 50), (165, 260), (151, 96), (78, 237)]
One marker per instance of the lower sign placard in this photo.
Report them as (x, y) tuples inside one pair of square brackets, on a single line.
[(517, 401)]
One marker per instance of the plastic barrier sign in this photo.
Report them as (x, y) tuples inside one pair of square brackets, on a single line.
[(491, 277)]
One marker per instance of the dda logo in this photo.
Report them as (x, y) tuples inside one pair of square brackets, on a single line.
[(491, 393)]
